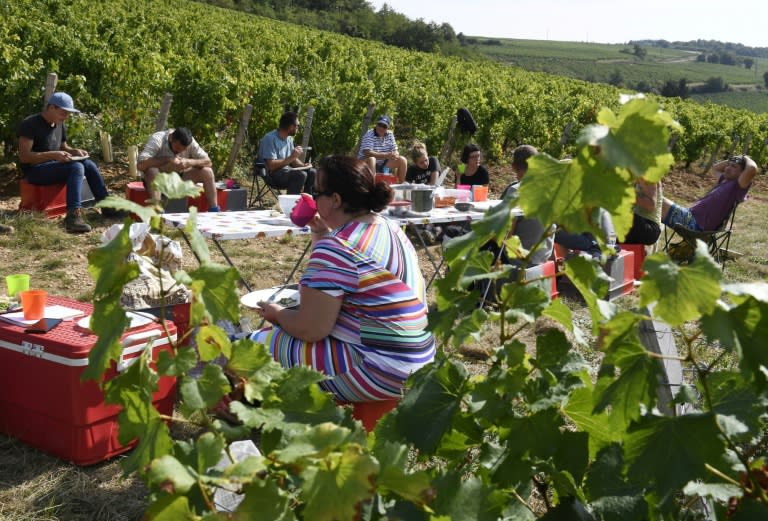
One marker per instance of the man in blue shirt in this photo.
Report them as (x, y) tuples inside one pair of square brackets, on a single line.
[(282, 158)]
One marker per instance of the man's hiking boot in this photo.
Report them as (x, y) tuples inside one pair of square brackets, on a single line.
[(74, 222)]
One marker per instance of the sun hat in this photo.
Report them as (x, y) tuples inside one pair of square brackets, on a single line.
[(63, 101), (383, 120)]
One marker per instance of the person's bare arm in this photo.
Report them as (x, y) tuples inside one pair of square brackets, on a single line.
[(26, 155), (647, 195), (313, 321), (749, 172), (291, 160)]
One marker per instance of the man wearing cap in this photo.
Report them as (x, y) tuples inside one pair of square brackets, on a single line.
[(175, 150), (46, 158), (283, 160), (708, 213), (379, 149)]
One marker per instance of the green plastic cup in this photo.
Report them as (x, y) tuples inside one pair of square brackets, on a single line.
[(16, 283)]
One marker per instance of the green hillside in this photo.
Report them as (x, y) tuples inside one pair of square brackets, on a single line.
[(616, 64), (215, 61)]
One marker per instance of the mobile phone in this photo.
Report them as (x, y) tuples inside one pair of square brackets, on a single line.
[(43, 325)]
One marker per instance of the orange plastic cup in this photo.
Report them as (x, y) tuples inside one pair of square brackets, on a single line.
[(33, 302), (480, 193)]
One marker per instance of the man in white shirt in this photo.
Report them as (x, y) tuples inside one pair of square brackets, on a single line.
[(175, 150)]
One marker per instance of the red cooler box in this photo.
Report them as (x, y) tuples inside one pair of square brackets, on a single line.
[(44, 403)]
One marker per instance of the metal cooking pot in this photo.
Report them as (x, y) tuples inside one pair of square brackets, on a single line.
[(421, 199), (419, 195)]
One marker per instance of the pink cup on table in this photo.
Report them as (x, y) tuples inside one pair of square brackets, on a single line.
[(303, 211)]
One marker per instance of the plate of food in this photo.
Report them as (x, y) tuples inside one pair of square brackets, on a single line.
[(287, 296), (137, 320), (79, 158)]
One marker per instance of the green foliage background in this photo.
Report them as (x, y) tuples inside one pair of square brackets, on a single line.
[(118, 63)]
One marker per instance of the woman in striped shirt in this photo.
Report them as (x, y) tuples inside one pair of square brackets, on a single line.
[(363, 313)]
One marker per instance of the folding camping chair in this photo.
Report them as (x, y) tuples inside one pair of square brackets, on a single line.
[(680, 242), (261, 186)]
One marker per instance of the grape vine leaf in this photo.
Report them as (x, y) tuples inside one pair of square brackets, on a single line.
[(168, 473), (436, 394), (109, 318), (171, 508), (467, 499), (333, 489), (681, 293), (667, 453), (635, 386)]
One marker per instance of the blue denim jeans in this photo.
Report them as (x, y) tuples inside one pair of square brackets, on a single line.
[(70, 173)]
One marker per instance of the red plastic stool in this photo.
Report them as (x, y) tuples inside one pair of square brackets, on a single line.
[(369, 413), (387, 178), (136, 192), (48, 199), (639, 251)]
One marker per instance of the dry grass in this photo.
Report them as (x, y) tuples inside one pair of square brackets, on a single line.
[(36, 487)]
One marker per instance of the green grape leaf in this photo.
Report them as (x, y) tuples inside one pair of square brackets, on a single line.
[(436, 395), (393, 460), (209, 450), (109, 318), (669, 452), (174, 187), (205, 391), (317, 441), (731, 395), (333, 490), (467, 499), (144, 213), (628, 507), (195, 240), (212, 341), (603, 429), (154, 441), (264, 500), (171, 508), (635, 386), (169, 474), (218, 291), (681, 293), (744, 329), (552, 191), (179, 365)]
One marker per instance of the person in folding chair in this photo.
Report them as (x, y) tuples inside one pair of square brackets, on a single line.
[(734, 178), (285, 169), (710, 213)]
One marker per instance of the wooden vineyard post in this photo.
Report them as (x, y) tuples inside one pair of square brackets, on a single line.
[(239, 138), (50, 87), (447, 148), (162, 115), (307, 131), (364, 129)]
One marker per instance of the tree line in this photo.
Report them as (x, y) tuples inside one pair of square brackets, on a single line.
[(358, 19)]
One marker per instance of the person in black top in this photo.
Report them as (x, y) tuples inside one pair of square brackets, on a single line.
[(472, 173), (46, 158), (425, 168)]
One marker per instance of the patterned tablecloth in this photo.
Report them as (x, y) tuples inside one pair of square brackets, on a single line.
[(238, 225), (269, 223)]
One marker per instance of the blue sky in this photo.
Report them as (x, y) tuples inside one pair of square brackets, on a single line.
[(602, 21)]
